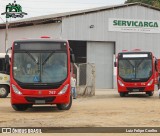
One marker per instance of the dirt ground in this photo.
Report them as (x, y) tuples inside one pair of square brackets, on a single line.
[(106, 109)]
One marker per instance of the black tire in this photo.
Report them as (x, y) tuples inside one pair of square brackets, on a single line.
[(20, 107), (65, 106), (149, 93), (4, 91), (122, 94)]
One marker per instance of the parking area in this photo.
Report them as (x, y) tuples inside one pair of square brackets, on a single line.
[(106, 109)]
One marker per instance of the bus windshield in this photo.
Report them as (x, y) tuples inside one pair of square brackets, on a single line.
[(135, 69), (39, 66)]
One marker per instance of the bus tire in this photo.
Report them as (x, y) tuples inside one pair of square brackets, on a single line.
[(122, 94), (65, 106), (150, 93), (4, 91), (20, 107)]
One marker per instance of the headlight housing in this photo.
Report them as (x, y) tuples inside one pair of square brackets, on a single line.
[(150, 83), (16, 91), (120, 82), (64, 89)]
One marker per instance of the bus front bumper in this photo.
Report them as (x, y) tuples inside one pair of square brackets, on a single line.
[(31, 99), (135, 87)]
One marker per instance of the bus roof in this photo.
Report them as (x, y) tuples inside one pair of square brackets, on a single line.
[(41, 40), (134, 52)]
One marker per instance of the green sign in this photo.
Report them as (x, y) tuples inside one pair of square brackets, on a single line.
[(133, 25), (14, 10)]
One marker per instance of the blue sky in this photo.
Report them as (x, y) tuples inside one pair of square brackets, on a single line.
[(45, 7)]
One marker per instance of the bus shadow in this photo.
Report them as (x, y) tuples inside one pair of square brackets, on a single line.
[(106, 96), (137, 96), (43, 109), (113, 96)]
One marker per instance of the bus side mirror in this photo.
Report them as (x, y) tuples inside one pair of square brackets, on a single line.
[(72, 58), (7, 63), (115, 64), (6, 59), (156, 65)]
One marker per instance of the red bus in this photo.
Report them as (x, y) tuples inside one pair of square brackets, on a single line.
[(40, 73), (158, 73), (135, 72)]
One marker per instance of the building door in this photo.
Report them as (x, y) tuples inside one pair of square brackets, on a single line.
[(101, 53)]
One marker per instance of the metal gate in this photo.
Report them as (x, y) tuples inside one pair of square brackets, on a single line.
[(85, 75)]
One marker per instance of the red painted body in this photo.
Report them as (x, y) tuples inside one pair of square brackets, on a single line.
[(59, 99), (158, 65), (135, 85), (156, 77), (41, 93), (128, 87), (157, 72)]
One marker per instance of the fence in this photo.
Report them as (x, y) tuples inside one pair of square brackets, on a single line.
[(85, 74)]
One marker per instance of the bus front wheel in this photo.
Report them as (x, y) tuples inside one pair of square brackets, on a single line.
[(150, 93), (20, 107), (4, 91), (65, 106), (122, 94)]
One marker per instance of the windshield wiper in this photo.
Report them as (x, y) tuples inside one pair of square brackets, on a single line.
[(139, 63), (44, 62), (130, 63), (29, 54)]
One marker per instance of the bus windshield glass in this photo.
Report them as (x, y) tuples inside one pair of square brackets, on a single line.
[(40, 62), (135, 69)]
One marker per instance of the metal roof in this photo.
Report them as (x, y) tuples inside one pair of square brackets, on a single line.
[(57, 18)]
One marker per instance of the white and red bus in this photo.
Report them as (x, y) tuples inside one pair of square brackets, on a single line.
[(4, 77), (40, 73), (135, 72)]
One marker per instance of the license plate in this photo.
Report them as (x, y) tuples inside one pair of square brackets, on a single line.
[(40, 101), (135, 90)]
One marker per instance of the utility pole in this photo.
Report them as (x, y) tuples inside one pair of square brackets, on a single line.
[(6, 36), (12, 11)]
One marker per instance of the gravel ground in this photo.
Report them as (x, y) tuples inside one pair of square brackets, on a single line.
[(106, 109)]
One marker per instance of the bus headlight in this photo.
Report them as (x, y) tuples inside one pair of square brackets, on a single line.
[(15, 89), (64, 89), (150, 83), (120, 82)]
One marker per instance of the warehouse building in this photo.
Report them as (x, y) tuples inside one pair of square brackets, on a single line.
[(96, 35)]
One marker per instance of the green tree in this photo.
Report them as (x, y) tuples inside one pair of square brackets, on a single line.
[(155, 3)]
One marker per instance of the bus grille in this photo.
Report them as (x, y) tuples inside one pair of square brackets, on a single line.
[(46, 99), (132, 89)]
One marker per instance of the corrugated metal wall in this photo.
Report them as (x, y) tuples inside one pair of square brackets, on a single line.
[(52, 30), (101, 54), (78, 28)]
